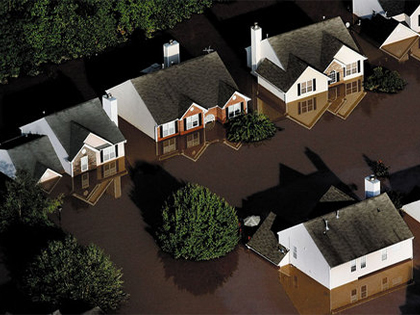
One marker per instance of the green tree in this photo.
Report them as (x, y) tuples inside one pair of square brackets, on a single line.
[(197, 224), (26, 203), (252, 127), (384, 80), (66, 271)]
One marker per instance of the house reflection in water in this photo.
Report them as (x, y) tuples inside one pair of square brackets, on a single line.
[(193, 145), (90, 186), (340, 100), (310, 297)]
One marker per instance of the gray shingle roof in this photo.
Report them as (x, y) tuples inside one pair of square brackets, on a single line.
[(35, 156), (169, 92), (72, 125), (395, 7), (315, 45), (361, 228)]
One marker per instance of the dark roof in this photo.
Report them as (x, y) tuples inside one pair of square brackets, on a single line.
[(168, 93), (35, 156), (335, 195), (395, 7), (314, 45), (265, 242), (361, 228), (379, 28), (72, 125)]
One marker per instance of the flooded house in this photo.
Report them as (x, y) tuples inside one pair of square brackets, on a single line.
[(181, 98), (307, 71), (82, 142)]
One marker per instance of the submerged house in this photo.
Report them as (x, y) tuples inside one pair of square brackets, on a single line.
[(182, 97), (308, 68), (83, 142)]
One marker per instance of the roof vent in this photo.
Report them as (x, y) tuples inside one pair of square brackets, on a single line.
[(337, 215), (256, 25), (326, 225), (377, 209)]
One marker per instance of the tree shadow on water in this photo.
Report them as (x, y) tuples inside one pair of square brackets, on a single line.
[(412, 305), (152, 186), (200, 277)]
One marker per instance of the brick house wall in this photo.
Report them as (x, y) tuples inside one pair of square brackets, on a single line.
[(92, 163)]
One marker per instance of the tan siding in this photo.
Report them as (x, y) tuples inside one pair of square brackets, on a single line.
[(91, 161)]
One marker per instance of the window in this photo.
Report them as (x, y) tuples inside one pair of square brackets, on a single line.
[(353, 265), (352, 68), (384, 254), (306, 106), (110, 169), (294, 252), (192, 121), (353, 296), (352, 87), (168, 129), (85, 180), (363, 262), (363, 292), (333, 77), (108, 153), (169, 145), (234, 110), (193, 140), (306, 87), (84, 163)]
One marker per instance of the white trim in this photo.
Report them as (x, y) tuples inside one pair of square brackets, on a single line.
[(94, 134), (247, 99), (193, 104)]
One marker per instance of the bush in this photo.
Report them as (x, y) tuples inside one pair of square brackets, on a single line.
[(252, 127), (197, 225), (384, 80), (66, 271)]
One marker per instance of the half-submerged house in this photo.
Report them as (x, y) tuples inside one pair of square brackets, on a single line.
[(180, 98), (308, 68)]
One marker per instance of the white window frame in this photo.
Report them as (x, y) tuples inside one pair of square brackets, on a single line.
[(353, 295), (333, 76), (363, 262), (108, 153), (234, 110), (295, 253), (193, 121), (364, 293), (351, 68), (384, 254), (168, 129), (306, 87), (84, 163), (169, 145), (353, 265)]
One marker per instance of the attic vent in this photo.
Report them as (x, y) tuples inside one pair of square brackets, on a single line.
[(337, 215), (326, 225)]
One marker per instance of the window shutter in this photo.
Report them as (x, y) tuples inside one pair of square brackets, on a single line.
[(185, 124), (242, 107), (337, 76), (116, 150), (102, 156), (358, 66), (299, 108), (344, 72), (314, 103), (314, 84), (176, 126), (161, 131), (227, 112), (200, 117), (298, 89)]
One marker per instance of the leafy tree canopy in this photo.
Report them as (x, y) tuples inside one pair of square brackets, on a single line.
[(66, 271), (197, 224), (26, 203), (384, 80), (36, 32), (252, 127)]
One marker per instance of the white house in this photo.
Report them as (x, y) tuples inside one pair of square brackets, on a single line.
[(340, 247), (304, 62), (180, 98)]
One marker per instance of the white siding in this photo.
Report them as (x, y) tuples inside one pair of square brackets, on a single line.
[(132, 108), (267, 51), (400, 17), (400, 32), (307, 75), (365, 8), (309, 259), (396, 253), (41, 127), (414, 20), (267, 85)]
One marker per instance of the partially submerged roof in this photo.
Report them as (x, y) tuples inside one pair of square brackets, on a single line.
[(168, 93), (312, 43), (72, 125), (35, 155), (360, 229)]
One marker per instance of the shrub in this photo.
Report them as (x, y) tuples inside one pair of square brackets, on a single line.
[(252, 127), (197, 225), (384, 80)]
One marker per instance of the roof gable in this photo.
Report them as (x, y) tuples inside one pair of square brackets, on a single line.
[(360, 229), (168, 93)]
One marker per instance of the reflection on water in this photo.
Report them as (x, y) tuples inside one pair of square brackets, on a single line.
[(193, 145), (310, 297), (339, 100)]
